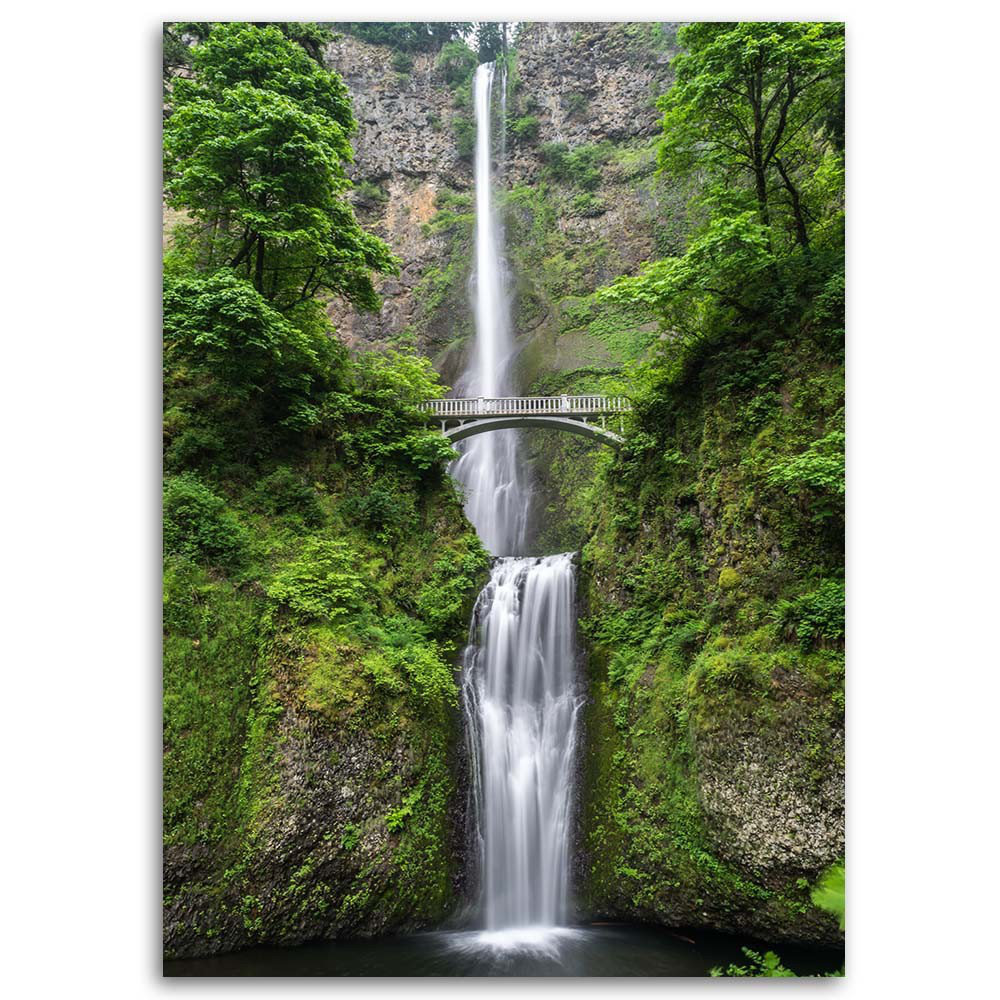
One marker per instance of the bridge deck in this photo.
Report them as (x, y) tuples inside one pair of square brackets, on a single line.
[(473, 408)]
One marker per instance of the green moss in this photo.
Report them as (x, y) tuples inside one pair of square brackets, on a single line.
[(711, 590), (337, 630)]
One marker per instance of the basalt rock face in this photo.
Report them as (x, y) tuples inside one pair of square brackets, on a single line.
[(405, 155), (587, 86), (322, 861)]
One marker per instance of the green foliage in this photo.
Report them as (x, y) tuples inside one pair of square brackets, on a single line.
[(743, 116), (285, 492), (264, 58), (525, 129), (578, 167), (175, 50), (491, 40), (725, 665), (406, 36), (726, 263), (587, 205), (219, 325), (402, 63), (814, 618), (443, 601), (456, 62), (767, 964), (744, 106), (830, 893), (465, 136), (209, 658), (384, 509), (312, 36), (370, 192), (321, 584), (198, 524), (350, 837), (396, 819), (254, 149), (575, 103), (389, 388), (817, 475)]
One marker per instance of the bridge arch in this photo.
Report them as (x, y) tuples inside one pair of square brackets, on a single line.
[(574, 426)]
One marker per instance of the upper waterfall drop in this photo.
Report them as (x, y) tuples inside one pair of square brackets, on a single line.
[(498, 497)]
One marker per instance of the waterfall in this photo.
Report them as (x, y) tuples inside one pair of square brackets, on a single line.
[(497, 494), (521, 706), (518, 686)]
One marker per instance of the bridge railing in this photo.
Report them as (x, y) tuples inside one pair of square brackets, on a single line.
[(485, 406)]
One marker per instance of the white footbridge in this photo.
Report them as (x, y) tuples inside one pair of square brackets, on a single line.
[(586, 415)]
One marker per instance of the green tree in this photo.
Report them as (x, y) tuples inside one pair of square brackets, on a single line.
[(220, 327), (407, 36), (383, 411), (491, 40), (254, 150), (751, 119), (746, 105), (264, 57), (313, 37), (457, 62)]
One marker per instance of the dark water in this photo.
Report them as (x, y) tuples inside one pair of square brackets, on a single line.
[(596, 950)]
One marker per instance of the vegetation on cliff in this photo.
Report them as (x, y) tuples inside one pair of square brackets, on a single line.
[(714, 575), (318, 571)]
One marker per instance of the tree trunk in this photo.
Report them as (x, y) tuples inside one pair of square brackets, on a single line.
[(801, 233), (258, 278)]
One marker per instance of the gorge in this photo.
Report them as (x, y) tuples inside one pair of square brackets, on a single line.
[(594, 726)]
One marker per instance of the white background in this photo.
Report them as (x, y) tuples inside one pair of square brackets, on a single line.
[(79, 391)]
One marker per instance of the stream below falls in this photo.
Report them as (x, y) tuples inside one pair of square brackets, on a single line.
[(593, 950)]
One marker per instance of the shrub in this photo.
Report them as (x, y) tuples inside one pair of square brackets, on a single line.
[(457, 62), (284, 492), (725, 665), (587, 205), (525, 129), (579, 167), (815, 618), (197, 524), (382, 509), (442, 601), (688, 525), (817, 473), (465, 136), (322, 584), (371, 193), (402, 63)]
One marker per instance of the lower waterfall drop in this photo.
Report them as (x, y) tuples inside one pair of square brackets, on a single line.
[(521, 704)]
